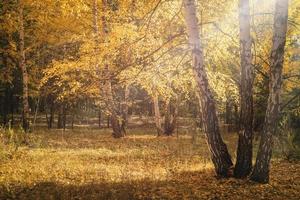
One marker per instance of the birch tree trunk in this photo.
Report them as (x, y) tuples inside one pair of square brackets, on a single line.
[(243, 164), (115, 118), (219, 153), (157, 116), (106, 88), (25, 114), (262, 165)]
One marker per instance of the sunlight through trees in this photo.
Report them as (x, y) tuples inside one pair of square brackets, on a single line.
[(202, 70)]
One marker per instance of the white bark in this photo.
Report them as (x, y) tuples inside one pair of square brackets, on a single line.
[(244, 152), (219, 153), (106, 87), (262, 165)]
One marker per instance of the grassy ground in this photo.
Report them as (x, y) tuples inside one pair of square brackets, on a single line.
[(89, 164)]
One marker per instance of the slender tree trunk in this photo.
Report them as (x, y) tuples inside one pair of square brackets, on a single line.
[(73, 118), (60, 122), (107, 85), (47, 120), (219, 153), (51, 120), (171, 112), (124, 123), (64, 117), (157, 116), (12, 104), (36, 112), (176, 113), (4, 106), (25, 112), (168, 119), (99, 118), (6, 100), (262, 165), (243, 164)]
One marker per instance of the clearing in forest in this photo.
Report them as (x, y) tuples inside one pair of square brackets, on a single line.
[(90, 164)]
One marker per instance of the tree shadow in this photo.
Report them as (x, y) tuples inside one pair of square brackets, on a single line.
[(184, 185)]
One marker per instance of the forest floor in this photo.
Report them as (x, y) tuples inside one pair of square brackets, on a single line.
[(90, 164)]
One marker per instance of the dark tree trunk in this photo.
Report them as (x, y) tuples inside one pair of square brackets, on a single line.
[(51, 120), (36, 111), (5, 106), (168, 128), (64, 117), (262, 166), (99, 119), (12, 108), (60, 123), (73, 119), (108, 121), (243, 164), (22, 65), (171, 112), (47, 120), (219, 153), (4, 101)]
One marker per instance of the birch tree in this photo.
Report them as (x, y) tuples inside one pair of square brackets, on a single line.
[(106, 87), (262, 165), (218, 149), (244, 151)]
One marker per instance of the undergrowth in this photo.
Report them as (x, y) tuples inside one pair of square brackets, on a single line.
[(11, 139)]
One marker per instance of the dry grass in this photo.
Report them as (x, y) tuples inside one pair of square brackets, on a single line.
[(89, 164)]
